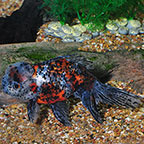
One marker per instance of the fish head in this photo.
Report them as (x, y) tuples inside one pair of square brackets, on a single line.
[(16, 82)]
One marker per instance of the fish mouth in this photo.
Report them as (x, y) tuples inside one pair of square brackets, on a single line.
[(6, 99)]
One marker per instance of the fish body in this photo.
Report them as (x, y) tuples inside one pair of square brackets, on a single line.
[(52, 82), (59, 79)]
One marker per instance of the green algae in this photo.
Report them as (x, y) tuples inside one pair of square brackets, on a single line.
[(35, 54)]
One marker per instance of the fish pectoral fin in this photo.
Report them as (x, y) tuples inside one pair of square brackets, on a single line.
[(33, 110), (61, 111), (89, 102)]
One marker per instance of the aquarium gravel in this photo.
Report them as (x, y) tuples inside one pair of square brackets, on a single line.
[(109, 42), (7, 7), (120, 125)]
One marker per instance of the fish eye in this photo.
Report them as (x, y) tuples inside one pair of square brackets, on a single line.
[(16, 85)]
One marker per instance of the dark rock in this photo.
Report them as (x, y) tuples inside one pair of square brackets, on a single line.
[(22, 25)]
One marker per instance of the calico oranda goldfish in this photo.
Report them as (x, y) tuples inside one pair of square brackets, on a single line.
[(52, 82)]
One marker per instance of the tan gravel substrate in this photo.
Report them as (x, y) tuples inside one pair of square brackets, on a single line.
[(121, 125), (109, 42), (7, 7)]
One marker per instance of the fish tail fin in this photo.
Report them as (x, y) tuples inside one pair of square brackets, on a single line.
[(108, 95)]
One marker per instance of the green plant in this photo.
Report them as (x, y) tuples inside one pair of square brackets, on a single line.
[(59, 9), (95, 12), (130, 8)]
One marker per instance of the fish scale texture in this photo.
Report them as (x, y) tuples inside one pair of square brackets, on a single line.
[(57, 80)]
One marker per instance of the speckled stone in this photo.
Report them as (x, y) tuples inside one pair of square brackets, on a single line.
[(95, 34), (111, 25), (123, 30), (121, 22), (83, 37), (141, 30), (80, 33), (76, 33), (68, 38), (48, 31), (133, 31), (54, 25), (59, 34), (66, 29), (113, 31), (87, 36), (79, 39), (79, 27), (133, 24)]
